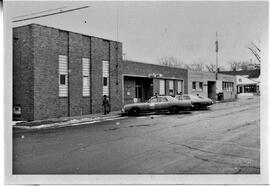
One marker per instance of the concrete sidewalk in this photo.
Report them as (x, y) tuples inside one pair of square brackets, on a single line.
[(67, 121)]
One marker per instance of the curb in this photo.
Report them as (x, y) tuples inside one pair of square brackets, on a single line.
[(72, 122)]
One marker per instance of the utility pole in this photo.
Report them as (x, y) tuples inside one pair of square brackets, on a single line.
[(216, 55)]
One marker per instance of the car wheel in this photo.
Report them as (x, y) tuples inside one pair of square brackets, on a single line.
[(134, 111), (174, 110)]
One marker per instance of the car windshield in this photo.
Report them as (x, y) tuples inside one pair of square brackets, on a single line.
[(157, 99), (152, 100), (162, 99)]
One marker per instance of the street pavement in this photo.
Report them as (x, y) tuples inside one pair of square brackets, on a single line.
[(224, 139)]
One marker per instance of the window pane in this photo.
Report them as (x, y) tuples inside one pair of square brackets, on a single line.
[(62, 79), (85, 81), (105, 81), (201, 85), (193, 85), (161, 87)]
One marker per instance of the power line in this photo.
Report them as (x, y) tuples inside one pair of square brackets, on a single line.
[(35, 13), (46, 15)]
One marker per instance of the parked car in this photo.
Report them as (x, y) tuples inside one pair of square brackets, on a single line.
[(197, 101), (157, 103)]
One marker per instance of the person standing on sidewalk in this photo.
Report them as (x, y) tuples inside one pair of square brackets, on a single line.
[(106, 105)]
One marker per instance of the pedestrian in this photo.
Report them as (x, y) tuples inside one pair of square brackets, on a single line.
[(106, 105)]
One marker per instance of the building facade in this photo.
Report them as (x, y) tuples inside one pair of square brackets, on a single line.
[(206, 84), (143, 80), (58, 73), (248, 81)]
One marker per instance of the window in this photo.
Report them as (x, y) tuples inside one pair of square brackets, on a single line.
[(200, 85), (179, 86), (194, 85), (171, 89), (105, 81), (197, 86), (63, 75), (227, 86), (105, 74), (162, 87), (62, 79), (86, 77)]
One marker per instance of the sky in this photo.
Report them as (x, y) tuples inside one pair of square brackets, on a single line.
[(151, 30)]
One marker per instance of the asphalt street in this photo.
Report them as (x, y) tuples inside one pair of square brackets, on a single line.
[(224, 139)]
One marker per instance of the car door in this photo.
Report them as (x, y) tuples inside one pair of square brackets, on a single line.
[(152, 103), (162, 104)]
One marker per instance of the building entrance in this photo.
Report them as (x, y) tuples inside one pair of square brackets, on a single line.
[(211, 87), (137, 89)]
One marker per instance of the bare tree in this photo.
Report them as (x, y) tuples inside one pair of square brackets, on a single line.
[(210, 67), (255, 51), (234, 65), (170, 61), (199, 67), (243, 65)]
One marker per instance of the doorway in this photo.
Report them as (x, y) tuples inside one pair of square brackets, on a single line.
[(211, 88)]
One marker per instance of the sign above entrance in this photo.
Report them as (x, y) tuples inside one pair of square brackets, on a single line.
[(154, 75)]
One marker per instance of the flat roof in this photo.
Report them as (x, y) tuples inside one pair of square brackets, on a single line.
[(66, 31)]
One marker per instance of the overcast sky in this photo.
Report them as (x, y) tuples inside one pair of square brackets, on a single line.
[(150, 30)]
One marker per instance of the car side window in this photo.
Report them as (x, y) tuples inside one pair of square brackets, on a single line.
[(186, 97), (179, 97), (153, 100), (162, 99)]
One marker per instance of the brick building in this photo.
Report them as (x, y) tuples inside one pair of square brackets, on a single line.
[(58, 73), (205, 84), (142, 80)]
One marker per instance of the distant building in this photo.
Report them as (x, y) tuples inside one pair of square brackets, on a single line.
[(248, 81), (205, 84)]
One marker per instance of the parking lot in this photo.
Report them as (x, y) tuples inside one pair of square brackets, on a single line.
[(224, 139)]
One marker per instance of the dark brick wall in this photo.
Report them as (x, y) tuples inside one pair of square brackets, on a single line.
[(36, 82), (45, 72), (115, 75), (143, 69), (96, 74), (129, 86), (23, 71), (75, 74)]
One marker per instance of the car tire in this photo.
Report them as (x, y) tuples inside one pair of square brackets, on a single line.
[(174, 110), (134, 111)]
